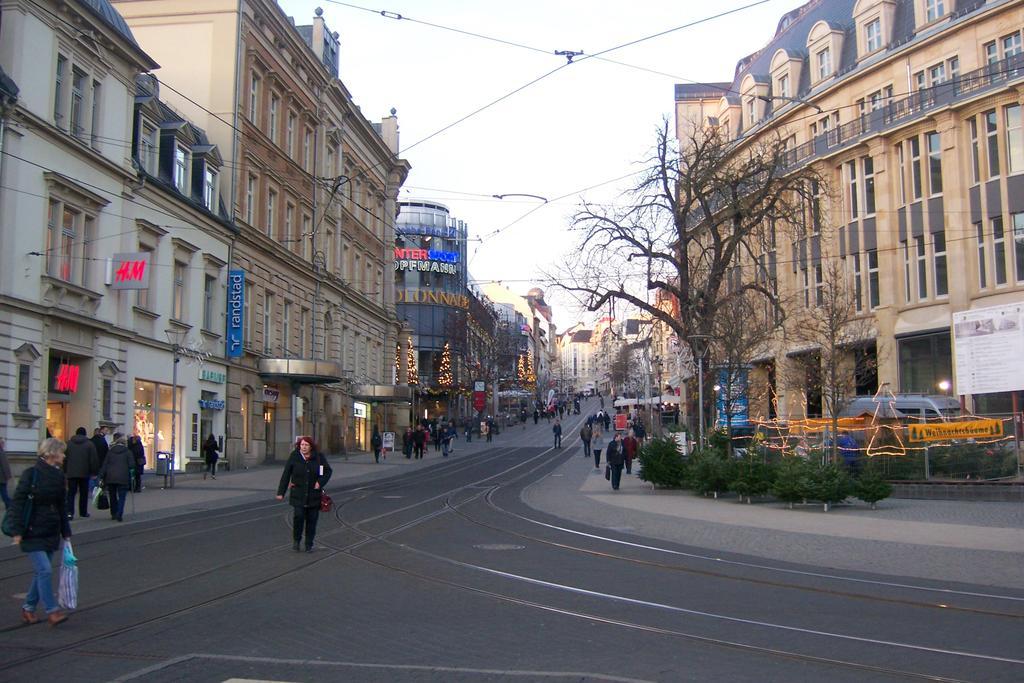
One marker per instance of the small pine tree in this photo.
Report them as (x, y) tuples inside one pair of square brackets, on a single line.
[(661, 464), (871, 487), (792, 481), (710, 472), (830, 484), (751, 477)]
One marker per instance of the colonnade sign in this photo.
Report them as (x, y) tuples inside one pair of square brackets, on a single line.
[(988, 344)]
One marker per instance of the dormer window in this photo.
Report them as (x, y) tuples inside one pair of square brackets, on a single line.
[(823, 60), (751, 111), (210, 189), (933, 9), (784, 86), (181, 162), (873, 35), (149, 144)]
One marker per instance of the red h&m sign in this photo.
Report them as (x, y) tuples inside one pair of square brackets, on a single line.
[(66, 380), (129, 271)]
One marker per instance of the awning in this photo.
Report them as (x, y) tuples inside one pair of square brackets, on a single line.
[(300, 370), (383, 393)]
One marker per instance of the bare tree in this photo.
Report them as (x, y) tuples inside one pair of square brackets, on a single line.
[(832, 330), (693, 217)]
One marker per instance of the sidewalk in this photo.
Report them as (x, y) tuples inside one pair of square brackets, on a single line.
[(973, 542)]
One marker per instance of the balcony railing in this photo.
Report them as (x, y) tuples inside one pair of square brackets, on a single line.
[(897, 112)]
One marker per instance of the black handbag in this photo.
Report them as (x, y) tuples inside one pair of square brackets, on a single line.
[(608, 472), (103, 502)]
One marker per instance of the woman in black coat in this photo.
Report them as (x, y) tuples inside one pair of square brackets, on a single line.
[(304, 477), (211, 453), (117, 473), (39, 524), (615, 456)]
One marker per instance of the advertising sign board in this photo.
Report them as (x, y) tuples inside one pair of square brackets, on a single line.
[(620, 422), (736, 400), (983, 341), (236, 308), (943, 431), (130, 271), (389, 441)]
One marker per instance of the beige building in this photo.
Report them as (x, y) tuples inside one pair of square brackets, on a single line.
[(911, 109), (312, 188)]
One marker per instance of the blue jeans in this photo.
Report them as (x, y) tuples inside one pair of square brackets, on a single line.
[(42, 583), (4, 495), (118, 494)]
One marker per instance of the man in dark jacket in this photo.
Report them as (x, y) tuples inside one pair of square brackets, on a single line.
[(139, 452), (586, 433), (99, 440), (557, 431), (304, 477), (117, 473), (616, 458), (80, 463)]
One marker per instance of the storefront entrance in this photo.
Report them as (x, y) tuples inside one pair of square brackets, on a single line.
[(270, 430), (153, 417), (57, 419)]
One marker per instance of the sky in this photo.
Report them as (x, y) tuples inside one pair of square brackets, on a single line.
[(581, 127)]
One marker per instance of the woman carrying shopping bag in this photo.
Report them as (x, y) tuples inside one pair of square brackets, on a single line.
[(38, 521)]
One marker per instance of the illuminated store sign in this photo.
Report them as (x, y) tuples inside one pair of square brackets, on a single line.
[(427, 267), (426, 255), (129, 271), (446, 232), (423, 296), (66, 380)]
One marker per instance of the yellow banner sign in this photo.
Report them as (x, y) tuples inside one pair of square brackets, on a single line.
[(942, 431)]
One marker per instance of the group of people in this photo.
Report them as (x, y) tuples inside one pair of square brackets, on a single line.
[(620, 451), (90, 462)]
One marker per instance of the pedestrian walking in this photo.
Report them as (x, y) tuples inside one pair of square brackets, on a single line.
[(39, 512), (419, 441), (99, 440), (616, 458), (630, 446), (607, 422), (469, 429), (557, 430), (597, 444), (408, 441), (491, 429), (305, 475), (80, 464), (536, 416), (850, 452), (447, 434), (523, 417), (116, 475), (376, 442), (5, 475), (640, 433), (139, 451), (211, 453), (435, 435), (586, 433)]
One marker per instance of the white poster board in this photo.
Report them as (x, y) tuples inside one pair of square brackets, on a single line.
[(389, 441), (988, 344)]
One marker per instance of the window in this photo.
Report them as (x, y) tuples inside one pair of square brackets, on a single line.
[(979, 230), (934, 9), (751, 119), (289, 221), (95, 114), (271, 209), (181, 156), (991, 53), (937, 74), (107, 400), (209, 301), (68, 243), (1011, 45), (306, 238), (858, 283), (868, 165), (307, 150), (275, 104), (142, 295), (939, 260), (953, 64), (24, 387), (907, 292), (78, 80), (268, 312), (999, 249), (1018, 245), (901, 172), (824, 64), (180, 279), (304, 333), (819, 285), (58, 96), (972, 125), (992, 143), (851, 174), (915, 167), (922, 268), (210, 189), (254, 99), (784, 85), (874, 296), (873, 35), (286, 328), (249, 325), (934, 162), (1014, 140), (289, 137), (148, 146), (250, 200)]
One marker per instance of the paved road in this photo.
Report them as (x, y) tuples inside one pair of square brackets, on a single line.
[(496, 565)]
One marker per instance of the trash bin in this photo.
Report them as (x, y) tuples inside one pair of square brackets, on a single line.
[(164, 460)]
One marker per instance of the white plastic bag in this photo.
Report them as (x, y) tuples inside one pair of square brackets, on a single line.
[(67, 593)]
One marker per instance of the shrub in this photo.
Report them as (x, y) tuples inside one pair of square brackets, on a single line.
[(792, 481), (661, 463), (751, 476), (710, 472), (871, 487), (830, 484)]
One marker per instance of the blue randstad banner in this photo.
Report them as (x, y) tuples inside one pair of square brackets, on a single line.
[(236, 312), (736, 401)]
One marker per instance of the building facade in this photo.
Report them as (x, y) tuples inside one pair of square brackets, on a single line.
[(911, 112), (126, 271), (312, 189)]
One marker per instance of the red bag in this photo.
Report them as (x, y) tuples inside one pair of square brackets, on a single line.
[(326, 503)]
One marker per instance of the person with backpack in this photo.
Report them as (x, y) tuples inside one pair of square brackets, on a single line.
[(586, 433), (304, 477), (211, 453), (376, 442)]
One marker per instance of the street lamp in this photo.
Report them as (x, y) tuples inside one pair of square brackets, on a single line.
[(944, 386), (176, 338)]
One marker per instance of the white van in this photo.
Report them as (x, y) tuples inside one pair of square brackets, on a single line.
[(909, 406)]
